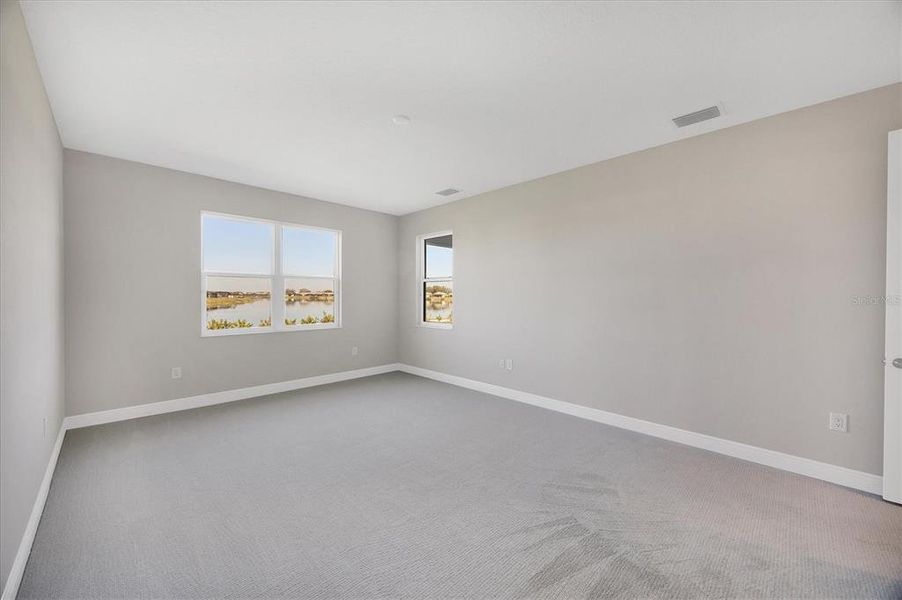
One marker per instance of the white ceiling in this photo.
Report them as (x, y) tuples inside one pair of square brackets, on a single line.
[(299, 97)]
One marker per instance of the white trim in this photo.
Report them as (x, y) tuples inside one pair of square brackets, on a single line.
[(11, 589), (189, 402), (771, 458), (430, 325), (892, 377)]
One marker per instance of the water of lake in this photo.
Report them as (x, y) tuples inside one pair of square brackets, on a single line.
[(433, 312), (260, 310)]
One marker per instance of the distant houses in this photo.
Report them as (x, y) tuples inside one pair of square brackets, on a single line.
[(217, 299), (305, 295), (301, 295), (220, 294), (439, 296)]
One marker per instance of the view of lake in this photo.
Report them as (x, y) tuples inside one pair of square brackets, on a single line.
[(262, 309), (439, 302), (245, 262), (241, 303), (436, 313)]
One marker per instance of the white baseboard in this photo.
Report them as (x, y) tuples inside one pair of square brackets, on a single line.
[(31, 527), (795, 464), (189, 402)]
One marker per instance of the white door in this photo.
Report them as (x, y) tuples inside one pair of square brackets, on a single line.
[(892, 420)]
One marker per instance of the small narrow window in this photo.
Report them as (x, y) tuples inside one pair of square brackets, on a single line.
[(437, 279)]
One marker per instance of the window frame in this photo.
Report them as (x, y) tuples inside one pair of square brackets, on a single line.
[(277, 278), (422, 280)]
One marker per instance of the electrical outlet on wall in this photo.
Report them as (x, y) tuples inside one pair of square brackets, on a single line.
[(839, 422), (501, 363), (176, 372), (509, 364), (353, 350)]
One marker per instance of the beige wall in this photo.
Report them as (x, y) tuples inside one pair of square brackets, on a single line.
[(31, 282), (707, 284), (133, 287)]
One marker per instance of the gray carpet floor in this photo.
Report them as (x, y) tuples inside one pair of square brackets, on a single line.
[(400, 487)]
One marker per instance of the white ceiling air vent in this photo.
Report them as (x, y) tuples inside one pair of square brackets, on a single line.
[(447, 192), (697, 116)]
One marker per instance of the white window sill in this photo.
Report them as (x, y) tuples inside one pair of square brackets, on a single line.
[(255, 330), (436, 325)]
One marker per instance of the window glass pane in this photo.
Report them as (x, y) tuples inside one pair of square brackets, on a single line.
[(439, 302), (238, 302), (308, 252), (236, 246), (309, 301), (439, 260)]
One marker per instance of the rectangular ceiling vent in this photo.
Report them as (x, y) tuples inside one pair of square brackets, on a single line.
[(697, 116), (448, 192)]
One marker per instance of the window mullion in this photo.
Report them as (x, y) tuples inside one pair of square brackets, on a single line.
[(278, 283), (336, 283)]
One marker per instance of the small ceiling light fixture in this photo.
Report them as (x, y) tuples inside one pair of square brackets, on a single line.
[(401, 120), (697, 116), (447, 192)]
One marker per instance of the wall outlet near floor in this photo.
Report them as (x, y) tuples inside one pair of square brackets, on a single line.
[(839, 422), (501, 363), (509, 364), (353, 350), (176, 372)]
